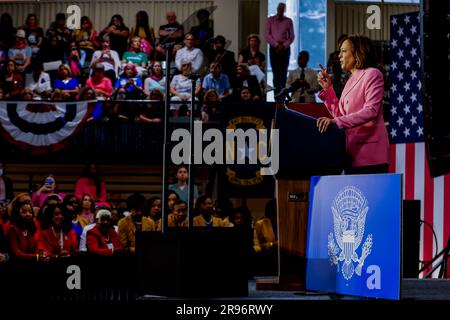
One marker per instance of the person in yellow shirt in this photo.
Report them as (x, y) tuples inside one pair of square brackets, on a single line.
[(204, 210)]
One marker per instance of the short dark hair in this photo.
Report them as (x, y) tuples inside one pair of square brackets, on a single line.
[(136, 202), (202, 12)]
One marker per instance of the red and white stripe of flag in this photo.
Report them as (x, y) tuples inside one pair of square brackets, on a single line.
[(434, 195)]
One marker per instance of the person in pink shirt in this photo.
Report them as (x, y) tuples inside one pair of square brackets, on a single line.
[(280, 35), (101, 84), (91, 183), (47, 188), (360, 109)]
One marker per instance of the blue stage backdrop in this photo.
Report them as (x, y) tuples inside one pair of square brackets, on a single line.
[(354, 235)]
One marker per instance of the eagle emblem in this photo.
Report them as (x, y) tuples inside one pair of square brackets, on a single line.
[(349, 210)]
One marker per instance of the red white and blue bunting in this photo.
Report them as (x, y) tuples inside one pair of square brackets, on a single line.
[(42, 127)]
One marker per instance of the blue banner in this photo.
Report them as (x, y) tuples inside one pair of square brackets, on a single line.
[(353, 245)]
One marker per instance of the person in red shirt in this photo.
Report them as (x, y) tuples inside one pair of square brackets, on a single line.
[(23, 245), (57, 237), (103, 240)]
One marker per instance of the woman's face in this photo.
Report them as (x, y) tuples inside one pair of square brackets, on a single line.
[(31, 21), (58, 217), (129, 73), (186, 69), (85, 25), (116, 22), (346, 56), (253, 42), (180, 212), (238, 219), (86, 203), (72, 204), (245, 94), (63, 73), (26, 213), (135, 43), (212, 97), (11, 67), (156, 208), (157, 68), (171, 200)]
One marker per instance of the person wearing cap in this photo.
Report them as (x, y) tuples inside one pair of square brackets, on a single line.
[(103, 240), (189, 54), (21, 53), (101, 84), (223, 57)]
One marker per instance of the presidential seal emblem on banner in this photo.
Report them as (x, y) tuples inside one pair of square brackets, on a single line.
[(349, 210)]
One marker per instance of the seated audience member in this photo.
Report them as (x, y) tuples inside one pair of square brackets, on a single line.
[(223, 208), (189, 54), (6, 184), (8, 30), (76, 59), (265, 240), (59, 29), (251, 55), (48, 187), (210, 108), (170, 36), (51, 55), (204, 213), (304, 79), (144, 32), (118, 33), (154, 111), (181, 187), (245, 95), (245, 79), (21, 53), (178, 217), (34, 33), (153, 212), (72, 205), (101, 84), (21, 234), (108, 57), (86, 37), (91, 183), (38, 81), (11, 81), (172, 197), (240, 218), (133, 223), (202, 32), (26, 94), (102, 239), (223, 57), (4, 251), (57, 237), (68, 85), (181, 88), (217, 80), (87, 210), (135, 56), (129, 85), (156, 79)]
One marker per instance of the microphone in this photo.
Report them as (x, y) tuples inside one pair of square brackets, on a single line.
[(290, 88)]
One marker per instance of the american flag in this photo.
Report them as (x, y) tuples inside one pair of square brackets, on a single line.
[(406, 131)]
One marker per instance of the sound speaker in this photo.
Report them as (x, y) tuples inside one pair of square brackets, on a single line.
[(436, 83), (411, 238)]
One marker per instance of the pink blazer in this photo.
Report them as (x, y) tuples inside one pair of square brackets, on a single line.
[(360, 112)]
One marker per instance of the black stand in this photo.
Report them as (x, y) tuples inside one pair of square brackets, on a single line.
[(442, 264)]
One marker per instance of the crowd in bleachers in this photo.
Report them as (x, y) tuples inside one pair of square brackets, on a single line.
[(120, 64), (46, 224)]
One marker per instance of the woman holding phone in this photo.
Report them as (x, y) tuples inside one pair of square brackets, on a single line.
[(47, 188), (360, 109)]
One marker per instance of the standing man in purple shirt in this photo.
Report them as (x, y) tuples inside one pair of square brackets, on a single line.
[(280, 35)]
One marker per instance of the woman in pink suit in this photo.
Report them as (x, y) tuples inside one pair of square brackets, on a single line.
[(360, 108)]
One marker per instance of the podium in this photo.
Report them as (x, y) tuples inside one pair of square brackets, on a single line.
[(304, 152)]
